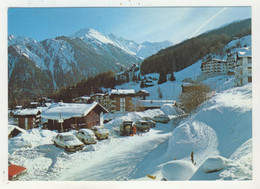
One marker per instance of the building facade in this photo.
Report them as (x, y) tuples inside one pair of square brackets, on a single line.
[(214, 67), (67, 116), (28, 118), (122, 100), (243, 66), (103, 99)]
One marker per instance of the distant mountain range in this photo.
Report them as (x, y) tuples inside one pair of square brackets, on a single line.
[(39, 68)]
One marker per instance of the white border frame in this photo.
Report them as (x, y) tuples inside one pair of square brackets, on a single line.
[(5, 4)]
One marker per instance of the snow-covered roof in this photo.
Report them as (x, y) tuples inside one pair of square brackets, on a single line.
[(122, 91), (34, 103), (82, 97), (187, 84), (244, 52), (155, 103), (12, 127), (27, 111), (68, 110), (99, 94), (144, 91)]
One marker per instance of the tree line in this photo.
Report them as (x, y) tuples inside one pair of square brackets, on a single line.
[(186, 53)]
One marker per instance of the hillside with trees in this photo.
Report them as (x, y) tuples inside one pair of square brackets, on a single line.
[(186, 53)]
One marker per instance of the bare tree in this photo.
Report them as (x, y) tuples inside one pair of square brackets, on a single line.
[(194, 97)]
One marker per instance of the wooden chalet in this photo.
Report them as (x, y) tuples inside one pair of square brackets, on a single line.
[(142, 94), (67, 116), (28, 118)]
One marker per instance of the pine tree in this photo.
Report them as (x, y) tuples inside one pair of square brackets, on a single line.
[(162, 78), (172, 78)]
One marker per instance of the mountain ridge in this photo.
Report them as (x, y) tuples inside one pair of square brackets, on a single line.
[(62, 61)]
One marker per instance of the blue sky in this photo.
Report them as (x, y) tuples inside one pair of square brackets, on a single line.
[(138, 24)]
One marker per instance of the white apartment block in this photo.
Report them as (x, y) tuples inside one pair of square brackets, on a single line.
[(243, 66), (214, 67)]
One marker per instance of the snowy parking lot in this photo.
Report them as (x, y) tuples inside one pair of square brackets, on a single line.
[(116, 158)]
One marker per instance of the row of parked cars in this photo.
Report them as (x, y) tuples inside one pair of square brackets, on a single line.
[(71, 142), (129, 127)]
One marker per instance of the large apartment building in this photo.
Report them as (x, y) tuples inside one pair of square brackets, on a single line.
[(243, 66), (214, 66)]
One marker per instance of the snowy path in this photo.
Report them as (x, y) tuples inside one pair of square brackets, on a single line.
[(118, 158)]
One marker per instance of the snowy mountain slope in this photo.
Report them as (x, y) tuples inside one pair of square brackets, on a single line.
[(58, 62), (64, 61), (140, 50)]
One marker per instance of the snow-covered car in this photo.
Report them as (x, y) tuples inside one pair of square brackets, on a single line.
[(142, 125), (86, 136), (68, 141), (14, 171), (161, 118), (101, 132), (150, 121)]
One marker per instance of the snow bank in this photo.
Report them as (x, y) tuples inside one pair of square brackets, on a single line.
[(237, 167), (221, 127), (170, 109), (214, 164), (192, 136), (30, 139), (178, 170)]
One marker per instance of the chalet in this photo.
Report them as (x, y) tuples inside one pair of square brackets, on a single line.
[(122, 100), (243, 66), (28, 118), (143, 105), (34, 104), (142, 94), (67, 116), (82, 99)]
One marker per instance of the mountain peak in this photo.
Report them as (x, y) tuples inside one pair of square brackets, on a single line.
[(82, 32), (13, 39)]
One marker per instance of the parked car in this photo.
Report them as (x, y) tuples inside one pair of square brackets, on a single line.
[(126, 128), (68, 141), (86, 136), (101, 132), (161, 118), (150, 121), (142, 125), (14, 171)]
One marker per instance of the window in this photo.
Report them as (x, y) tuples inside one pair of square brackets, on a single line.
[(122, 104), (249, 79), (249, 60)]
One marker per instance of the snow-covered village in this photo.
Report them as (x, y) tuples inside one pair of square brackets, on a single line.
[(92, 106)]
